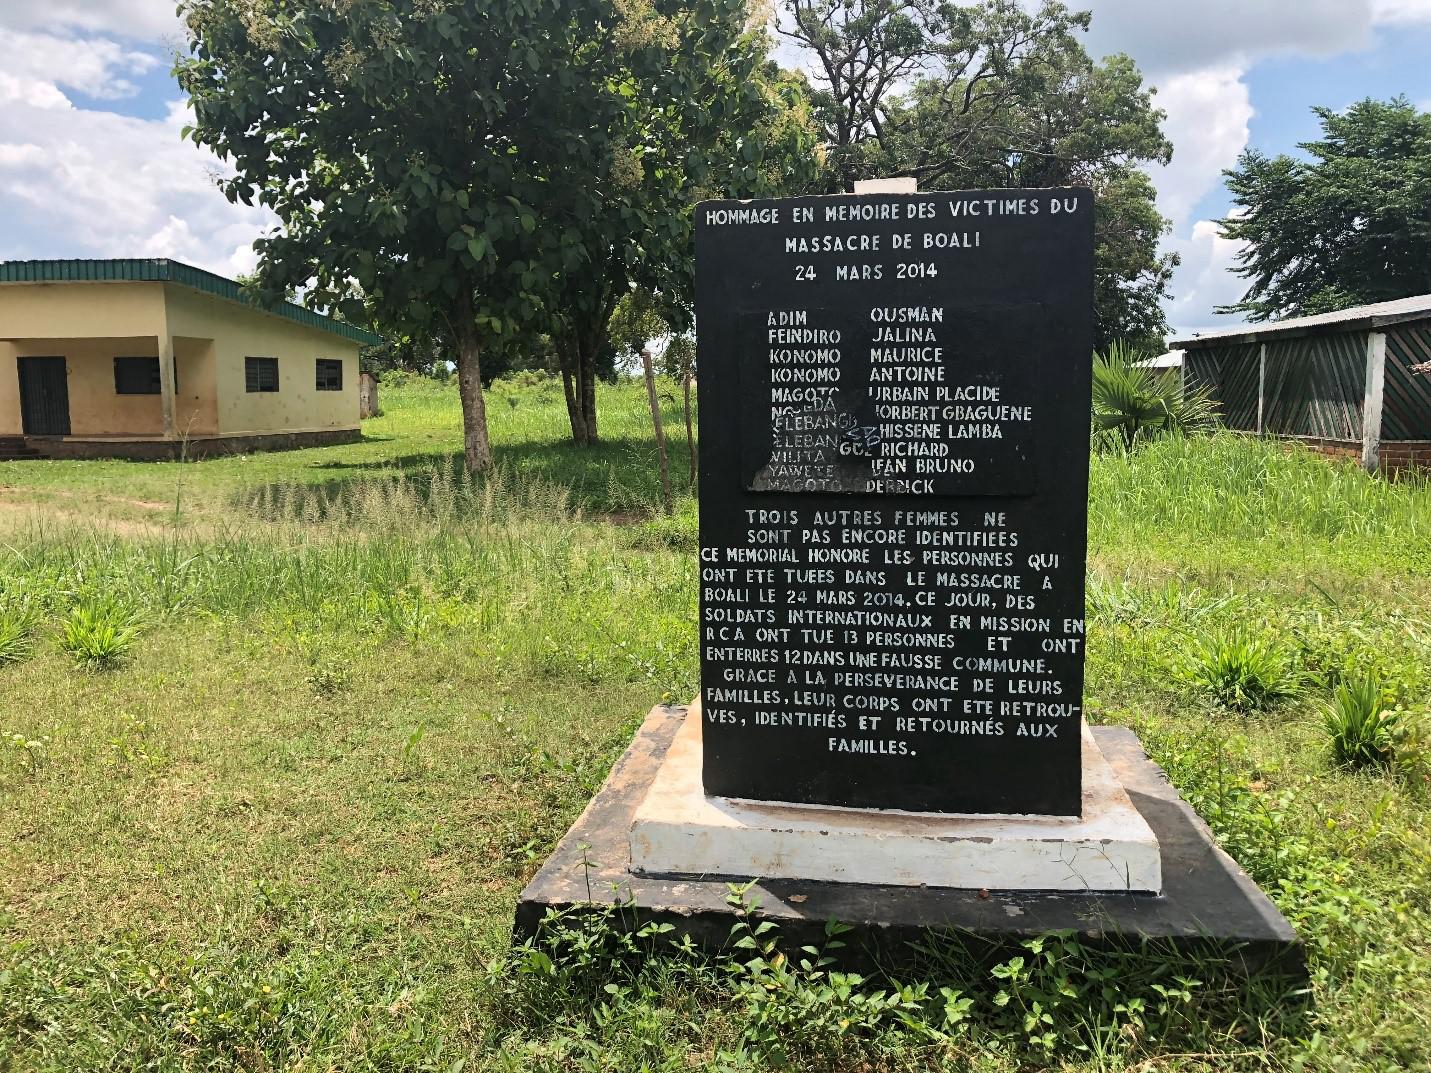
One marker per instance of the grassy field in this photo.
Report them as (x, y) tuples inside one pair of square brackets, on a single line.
[(287, 827)]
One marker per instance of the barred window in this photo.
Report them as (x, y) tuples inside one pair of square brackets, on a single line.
[(260, 374), (330, 374), (136, 376)]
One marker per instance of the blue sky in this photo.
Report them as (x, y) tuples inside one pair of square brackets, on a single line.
[(92, 165)]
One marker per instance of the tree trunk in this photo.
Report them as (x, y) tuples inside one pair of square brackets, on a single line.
[(660, 432), (690, 431), (569, 372), (476, 447), (589, 347), (578, 378)]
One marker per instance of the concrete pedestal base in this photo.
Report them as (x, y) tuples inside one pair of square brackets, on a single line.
[(678, 830), (1207, 901)]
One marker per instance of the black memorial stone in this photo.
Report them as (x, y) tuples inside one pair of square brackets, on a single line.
[(893, 515)]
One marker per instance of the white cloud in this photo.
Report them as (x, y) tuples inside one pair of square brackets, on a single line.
[(1401, 11), (29, 92), (1197, 55), (92, 183), (1204, 281), (1170, 37), (88, 182), (1208, 113), (95, 66), (143, 20)]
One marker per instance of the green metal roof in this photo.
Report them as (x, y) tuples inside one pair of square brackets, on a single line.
[(162, 270)]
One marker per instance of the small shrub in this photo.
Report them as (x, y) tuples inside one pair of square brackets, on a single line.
[(1241, 671), (1362, 728), (1133, 403), (328, 678), (99, 634), (17, 627), (34, 750), (1413, 753)]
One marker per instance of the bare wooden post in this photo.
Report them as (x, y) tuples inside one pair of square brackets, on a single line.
[(660, 431), (1261, 386), (690, 430), (1371, 402)]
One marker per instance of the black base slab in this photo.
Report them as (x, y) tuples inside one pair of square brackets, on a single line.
[(1208, 902)]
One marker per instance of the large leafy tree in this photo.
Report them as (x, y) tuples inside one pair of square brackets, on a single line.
[(1347, 225), (997, 95), (429, 161), (705, 115)]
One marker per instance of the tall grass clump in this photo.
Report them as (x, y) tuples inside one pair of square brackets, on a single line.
[(99, 634), (1231, 501), (17, 628), (504, 563), (1362, 727), (1240, 670)]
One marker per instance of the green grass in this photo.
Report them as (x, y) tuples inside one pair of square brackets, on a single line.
[(289, 829)]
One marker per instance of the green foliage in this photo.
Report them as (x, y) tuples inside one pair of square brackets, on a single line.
[(1240, 670), (17, 628), (1045, 998), (1352, 225), (99, 633), (998, 94), (741, 130), (1362, 727), (202, 826), (1133, 403)]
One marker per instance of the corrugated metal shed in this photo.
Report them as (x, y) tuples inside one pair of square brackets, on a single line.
[(1357, 381), (163, 270), (1357, 318)]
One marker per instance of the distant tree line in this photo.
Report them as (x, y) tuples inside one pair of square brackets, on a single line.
[(1347, 225), (508, 185)]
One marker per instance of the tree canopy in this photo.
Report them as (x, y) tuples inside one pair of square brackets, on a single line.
[(472, 171), (1347, 225), (997, 95)]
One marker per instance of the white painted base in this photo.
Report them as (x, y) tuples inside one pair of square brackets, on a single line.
[(677, 830)]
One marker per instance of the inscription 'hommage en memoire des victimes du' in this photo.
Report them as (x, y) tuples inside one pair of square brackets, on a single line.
[(894, 472)]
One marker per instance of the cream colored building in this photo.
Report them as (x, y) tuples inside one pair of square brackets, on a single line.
[(145, 358)]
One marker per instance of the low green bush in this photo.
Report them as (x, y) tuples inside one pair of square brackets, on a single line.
[(1048, 998), (99, 634), (17, 628), (1241, 670), (1362, 728)]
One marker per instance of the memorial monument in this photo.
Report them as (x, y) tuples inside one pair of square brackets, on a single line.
[(893, 511)]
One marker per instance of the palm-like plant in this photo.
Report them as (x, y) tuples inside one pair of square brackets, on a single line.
[(1133, 402)]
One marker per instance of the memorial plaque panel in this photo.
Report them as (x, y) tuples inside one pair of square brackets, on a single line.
[(894, 471)]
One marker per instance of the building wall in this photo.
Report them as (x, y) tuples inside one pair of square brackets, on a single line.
[(76, 310), (96, 409), (1314, 386), (1406, 402), (92, 323), (196, 410), (34, 317), (238, 333), (9, 390)]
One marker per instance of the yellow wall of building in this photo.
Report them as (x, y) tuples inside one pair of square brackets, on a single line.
[(78, 310), (92, 323), (297, 405), (95, 408), (196, 410), (9, 390), (34, 317)]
